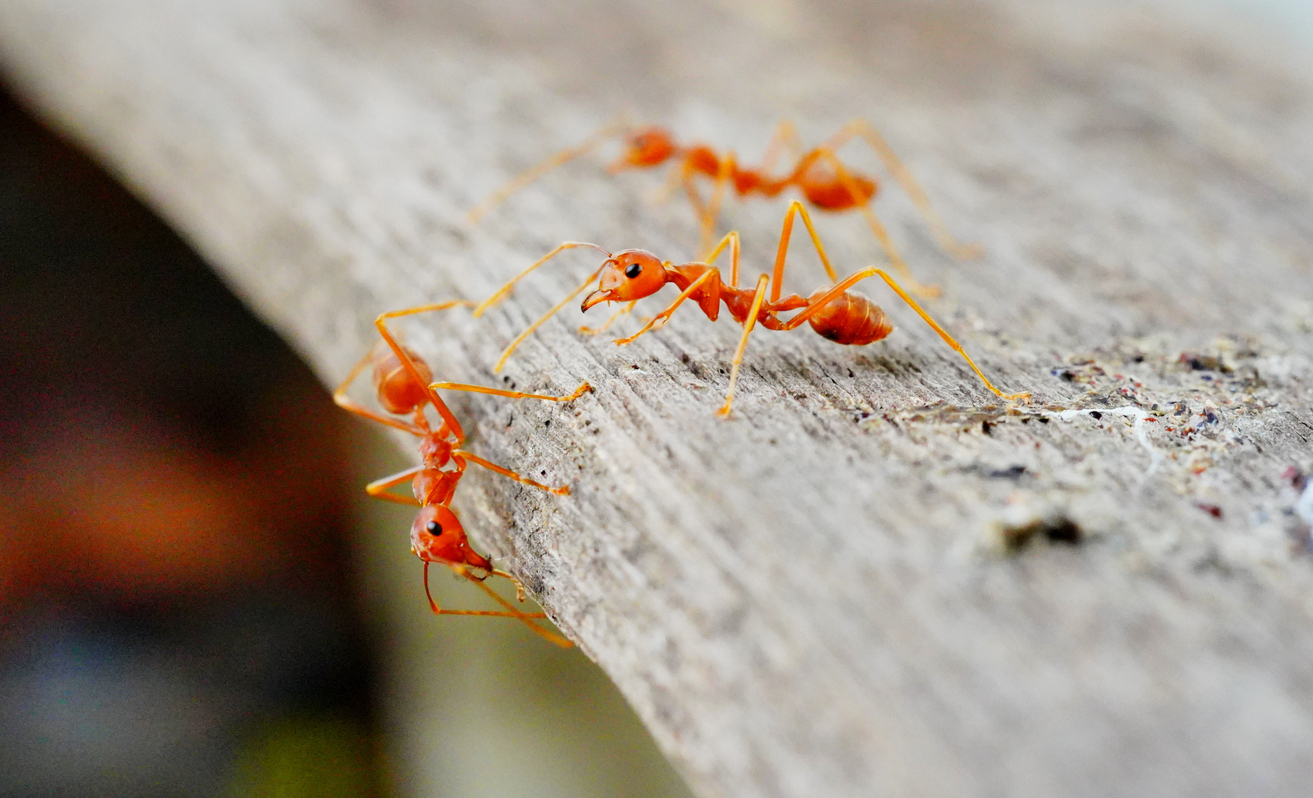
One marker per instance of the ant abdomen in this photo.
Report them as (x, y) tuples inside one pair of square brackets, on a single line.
[(825, 190), (850, 319), (398, 391)]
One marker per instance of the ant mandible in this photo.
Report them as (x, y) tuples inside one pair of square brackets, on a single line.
[(833, 311), (404, 386), (824, 180)]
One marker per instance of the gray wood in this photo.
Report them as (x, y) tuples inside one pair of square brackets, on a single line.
[(814, 596)]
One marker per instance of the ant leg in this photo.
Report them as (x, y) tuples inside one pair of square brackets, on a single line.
[(506, 289), (564, 490), (624, 311), (674, 180), (350, 405), (947, 241), (378, 489), (527, 618), (748, 324), (660, 318), (877, 227), (688, 181), (460, 386), (785, 137), (838, 290), (786, 233), (730, 240), (448, 418), (519, 588), (519, 339), (524, 617), (708, 217), (528, 176)]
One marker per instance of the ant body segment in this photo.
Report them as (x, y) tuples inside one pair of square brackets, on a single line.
[(404, 386), (818, 174), (833, 311)]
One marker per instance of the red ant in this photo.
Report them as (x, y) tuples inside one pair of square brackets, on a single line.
[(404, 385), (825, 182), (833, 311)]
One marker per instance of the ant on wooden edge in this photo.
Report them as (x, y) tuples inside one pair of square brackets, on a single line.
[(404, 386)]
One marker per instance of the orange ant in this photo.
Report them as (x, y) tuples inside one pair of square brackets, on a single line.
[(833, 311), (405, 387), (824, 180)]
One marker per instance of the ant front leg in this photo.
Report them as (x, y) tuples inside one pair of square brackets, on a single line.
[(660, 318), (505, 289), (938, 228), (514, 613), (624, 311), (533, 173), (527, 618)]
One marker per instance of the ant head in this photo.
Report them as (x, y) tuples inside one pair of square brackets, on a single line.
[(626, 276), (398, 392), (437, 536), (645, 147)]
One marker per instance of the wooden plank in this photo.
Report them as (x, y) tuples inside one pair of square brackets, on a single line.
[(812, 595)]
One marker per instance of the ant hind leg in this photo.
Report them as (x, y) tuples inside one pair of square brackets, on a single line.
[(938, 228)]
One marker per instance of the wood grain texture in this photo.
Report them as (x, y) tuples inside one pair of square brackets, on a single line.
[(814, 596)]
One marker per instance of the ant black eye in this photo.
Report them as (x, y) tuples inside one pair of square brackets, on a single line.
[(633, 270), (434, 528)]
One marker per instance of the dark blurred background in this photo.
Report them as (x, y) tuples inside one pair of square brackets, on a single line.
[(193, 600)]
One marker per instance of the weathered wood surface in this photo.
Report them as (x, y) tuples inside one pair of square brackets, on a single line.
[(810, 598)]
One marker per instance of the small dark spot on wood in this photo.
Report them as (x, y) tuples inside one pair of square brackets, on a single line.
[(683, 358), (542, 473), (1044, 419), (1068, 375), (850, 374), (1096, 415), (1138, 359), (1054, 529), (547, 423), (986, 427), (1199, 362), (1211, 509), (1011, 472)]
